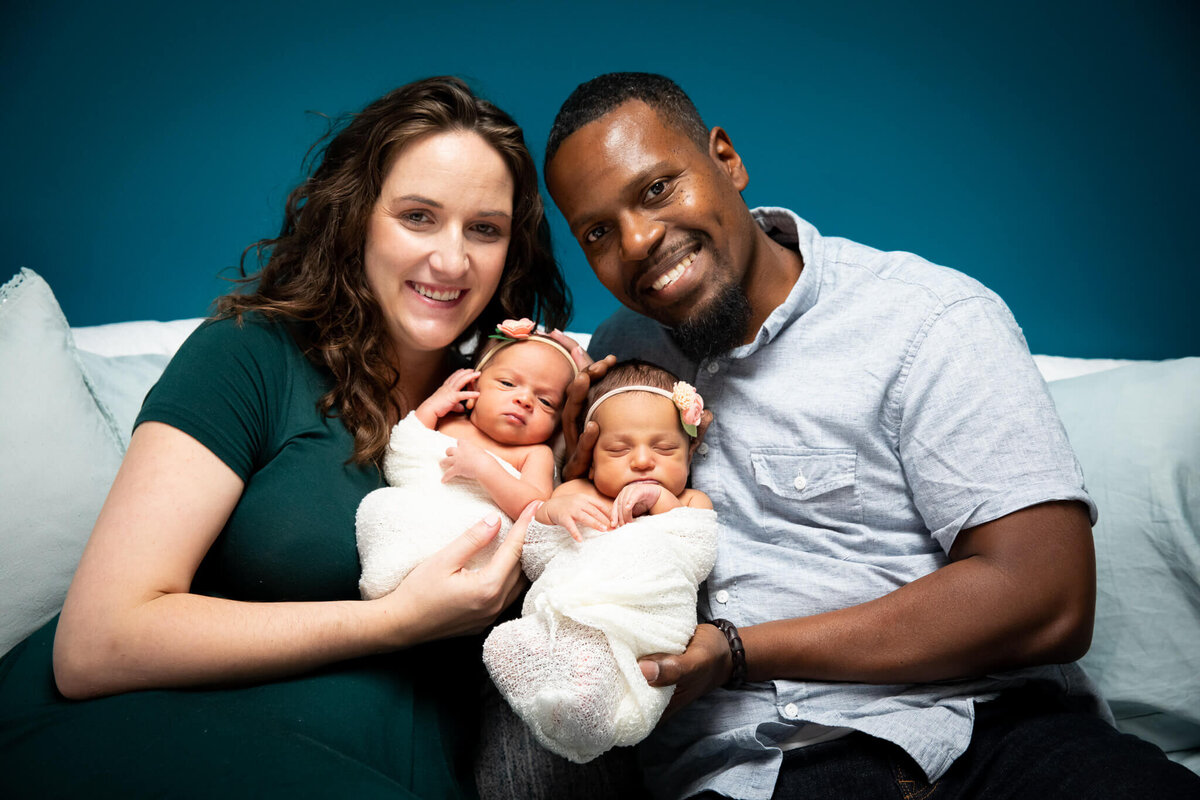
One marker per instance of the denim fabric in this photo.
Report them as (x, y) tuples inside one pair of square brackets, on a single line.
[(1026, 745), (886, 405)]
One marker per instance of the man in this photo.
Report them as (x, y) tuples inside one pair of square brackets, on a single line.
[(906, 571)]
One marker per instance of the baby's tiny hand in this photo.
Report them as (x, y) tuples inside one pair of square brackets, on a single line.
[(574, 511), (452, 395), (633, 501), (464, 460)]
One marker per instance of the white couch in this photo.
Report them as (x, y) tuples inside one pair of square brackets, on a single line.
[(71, 394)]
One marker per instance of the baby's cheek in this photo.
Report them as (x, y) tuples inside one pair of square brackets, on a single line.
[(606, 479)]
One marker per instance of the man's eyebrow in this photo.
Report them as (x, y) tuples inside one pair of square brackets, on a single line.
[(639, 179), (428, 201)]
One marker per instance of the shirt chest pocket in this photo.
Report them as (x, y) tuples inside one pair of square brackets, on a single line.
[(810, 486)]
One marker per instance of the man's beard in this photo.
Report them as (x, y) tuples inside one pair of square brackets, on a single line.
[(716, 329)]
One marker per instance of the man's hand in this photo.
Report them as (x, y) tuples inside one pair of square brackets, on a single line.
[(580, 445), (578, 354), (704, 666)]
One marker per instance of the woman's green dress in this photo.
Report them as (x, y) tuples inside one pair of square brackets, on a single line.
[(400, 725)]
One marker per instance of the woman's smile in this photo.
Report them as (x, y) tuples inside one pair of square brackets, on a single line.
[(438, 238)]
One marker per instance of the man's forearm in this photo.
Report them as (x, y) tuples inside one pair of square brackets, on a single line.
[(1020, 591)]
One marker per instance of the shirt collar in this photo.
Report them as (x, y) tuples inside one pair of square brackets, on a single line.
[(794, 233)]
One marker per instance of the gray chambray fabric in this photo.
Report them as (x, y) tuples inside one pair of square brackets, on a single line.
[(888, 404)]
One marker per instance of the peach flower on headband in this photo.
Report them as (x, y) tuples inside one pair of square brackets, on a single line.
[(517, 328), (690, 405)]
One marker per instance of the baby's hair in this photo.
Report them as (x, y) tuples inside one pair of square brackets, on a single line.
[(492, 345), (485, 351), (633, 372)]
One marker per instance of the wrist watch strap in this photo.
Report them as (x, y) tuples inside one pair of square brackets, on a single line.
[(738, 676)]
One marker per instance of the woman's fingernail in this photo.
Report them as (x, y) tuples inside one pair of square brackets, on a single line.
[(649, 670), (492, 518)]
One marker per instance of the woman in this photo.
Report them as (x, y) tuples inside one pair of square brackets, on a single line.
[(213, 631)]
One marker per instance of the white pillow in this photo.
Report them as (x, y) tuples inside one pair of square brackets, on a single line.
[(1057, 368), (135, 338), (120, 384), (58, 456), (1137, 435)]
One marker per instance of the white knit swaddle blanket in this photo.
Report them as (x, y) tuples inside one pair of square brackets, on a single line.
[(404, 523), (568, 666)]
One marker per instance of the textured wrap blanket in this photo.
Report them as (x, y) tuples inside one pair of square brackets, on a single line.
[(568, 666), (404, 523)]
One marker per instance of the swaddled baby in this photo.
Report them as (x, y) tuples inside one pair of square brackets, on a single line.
[(615, 560), (477, 444)]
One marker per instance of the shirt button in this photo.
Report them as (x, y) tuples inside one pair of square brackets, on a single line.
[(791, 711), (713, 366), (722, 597), (800, 482), (702, 449)]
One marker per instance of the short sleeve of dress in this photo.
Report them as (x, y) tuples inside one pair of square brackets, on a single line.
[(979, 436), (219, 386)]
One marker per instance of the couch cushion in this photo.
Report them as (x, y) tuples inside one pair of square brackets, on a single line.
[(1136, 432), (120, 384), (61, 452)]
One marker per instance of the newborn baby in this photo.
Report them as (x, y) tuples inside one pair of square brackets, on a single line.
[(615, 561)]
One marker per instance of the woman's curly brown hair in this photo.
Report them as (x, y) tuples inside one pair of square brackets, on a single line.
[(314, 271)]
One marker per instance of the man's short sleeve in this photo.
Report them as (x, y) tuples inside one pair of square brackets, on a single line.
[(978, 433)]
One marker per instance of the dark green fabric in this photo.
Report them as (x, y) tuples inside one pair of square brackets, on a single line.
[(396, 726)]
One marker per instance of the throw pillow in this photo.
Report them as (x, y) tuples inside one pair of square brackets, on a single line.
[(1136, 432), (60, 454)]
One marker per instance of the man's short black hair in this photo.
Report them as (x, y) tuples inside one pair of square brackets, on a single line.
[(597, 97)]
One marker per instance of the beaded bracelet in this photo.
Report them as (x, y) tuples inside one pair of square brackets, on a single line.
[(736, 650)]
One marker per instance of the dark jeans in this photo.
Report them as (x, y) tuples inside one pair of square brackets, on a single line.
[(1026, 746)]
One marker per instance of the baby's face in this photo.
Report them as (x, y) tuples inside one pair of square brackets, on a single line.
[(521, 392), (641, 439)]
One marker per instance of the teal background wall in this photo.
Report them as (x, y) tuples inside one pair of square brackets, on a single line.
[(1048, 149)]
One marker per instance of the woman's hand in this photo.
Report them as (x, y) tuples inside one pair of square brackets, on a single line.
[(443, 598), (633, 501), (130, 621), (581, 444), (573, 511)]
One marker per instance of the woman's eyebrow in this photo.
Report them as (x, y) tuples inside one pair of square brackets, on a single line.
[(428, 201), (423, 200)]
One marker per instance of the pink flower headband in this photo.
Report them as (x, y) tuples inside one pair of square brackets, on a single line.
[(683, 395), (512, 331)]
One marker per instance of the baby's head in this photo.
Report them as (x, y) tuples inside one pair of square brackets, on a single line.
[(522, 385), (647, 420)]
